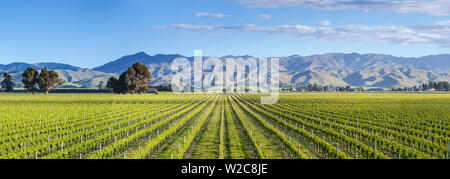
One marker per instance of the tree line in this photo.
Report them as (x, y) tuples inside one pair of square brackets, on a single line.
[(7, 84), (315, 87), (438, 86), (135, 80), (31, 78)]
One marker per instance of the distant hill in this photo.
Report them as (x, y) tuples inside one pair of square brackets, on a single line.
[(120, 65), (22, 66), (371, 70), (75, 77), (337, 69)]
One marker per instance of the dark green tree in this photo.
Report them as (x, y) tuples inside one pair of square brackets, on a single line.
[(446, 86), (310, 87), (430, 85), (438, 86), (29, 79), (142, 78), (135, 80), (48, 79), (7, 84), (316, 87), (119, 86), (129, 80), (348, 88), (112, 84)]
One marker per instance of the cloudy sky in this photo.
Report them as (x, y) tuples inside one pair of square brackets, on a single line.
[(90, 33)]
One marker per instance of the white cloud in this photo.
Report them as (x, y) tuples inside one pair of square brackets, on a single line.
[(434, 7), (186, 26), (443, 23), (212, 15), (323, 23), (439, 32), (431, 34), (264, 16), (442, 27)]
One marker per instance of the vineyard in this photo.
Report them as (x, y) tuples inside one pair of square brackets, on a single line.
[(225, 126)]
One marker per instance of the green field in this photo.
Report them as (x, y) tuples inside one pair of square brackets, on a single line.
[(233, 126)]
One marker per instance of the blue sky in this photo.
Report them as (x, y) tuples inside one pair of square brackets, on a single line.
[(89, 33)]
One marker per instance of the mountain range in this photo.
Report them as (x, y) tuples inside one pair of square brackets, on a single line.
[(337, 69)]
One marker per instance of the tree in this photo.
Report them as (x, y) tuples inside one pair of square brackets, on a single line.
[(29, 79), (7, 84), (128, 81), (48, 79), (118, 86), (100, 85), (348, 88), (441, 86), (446, 86), (135, 80), (430, 85), (310, 87), (142, 78), (112, 84), (316, 87), (438, 86)]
